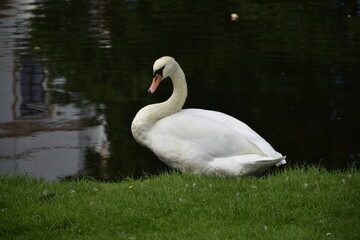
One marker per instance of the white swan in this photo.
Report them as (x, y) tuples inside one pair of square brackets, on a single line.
[(198, 140)]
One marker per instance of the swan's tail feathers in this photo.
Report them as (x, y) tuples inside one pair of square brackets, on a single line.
[(281, 162), (243, 165)]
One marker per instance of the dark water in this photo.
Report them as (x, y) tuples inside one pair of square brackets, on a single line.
[(74, 73)]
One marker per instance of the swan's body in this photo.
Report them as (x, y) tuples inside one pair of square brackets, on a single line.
[(199, 140)]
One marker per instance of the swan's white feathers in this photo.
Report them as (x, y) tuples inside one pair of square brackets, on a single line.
[(213, 136), (239, 127), (215, 143)]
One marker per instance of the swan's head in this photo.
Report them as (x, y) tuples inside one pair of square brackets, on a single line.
[(163, 67)]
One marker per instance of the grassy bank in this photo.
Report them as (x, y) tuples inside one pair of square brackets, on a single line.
[(293, 204)]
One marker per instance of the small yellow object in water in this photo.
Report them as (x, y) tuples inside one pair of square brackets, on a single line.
[(234, 16)]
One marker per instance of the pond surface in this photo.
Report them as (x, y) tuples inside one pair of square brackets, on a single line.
[(73, 74)]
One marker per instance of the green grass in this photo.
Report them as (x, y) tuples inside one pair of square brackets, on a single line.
[(293, 204)]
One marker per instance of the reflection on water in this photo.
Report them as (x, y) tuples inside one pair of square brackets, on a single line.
[(32, 78), (48, 139), (39, 135), (74, 73)]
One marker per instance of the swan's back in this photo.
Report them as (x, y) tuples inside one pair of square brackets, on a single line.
[(239, 127)]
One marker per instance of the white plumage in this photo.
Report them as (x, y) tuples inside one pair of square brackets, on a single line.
[(198, 140)]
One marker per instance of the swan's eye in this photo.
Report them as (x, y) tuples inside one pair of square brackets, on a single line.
[(159, 71)]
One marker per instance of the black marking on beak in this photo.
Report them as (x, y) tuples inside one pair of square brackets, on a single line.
[(159, 71)]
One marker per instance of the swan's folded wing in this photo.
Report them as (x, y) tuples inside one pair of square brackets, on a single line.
[(217, 134), (238, 126)]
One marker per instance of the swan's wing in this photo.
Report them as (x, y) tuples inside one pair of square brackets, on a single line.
[(238, 126), (216, 134)]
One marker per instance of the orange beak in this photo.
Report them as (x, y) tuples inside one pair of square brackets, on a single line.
[(155, 83)]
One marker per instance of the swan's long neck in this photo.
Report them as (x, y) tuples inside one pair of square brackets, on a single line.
[(177, 99), (149, 115)]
